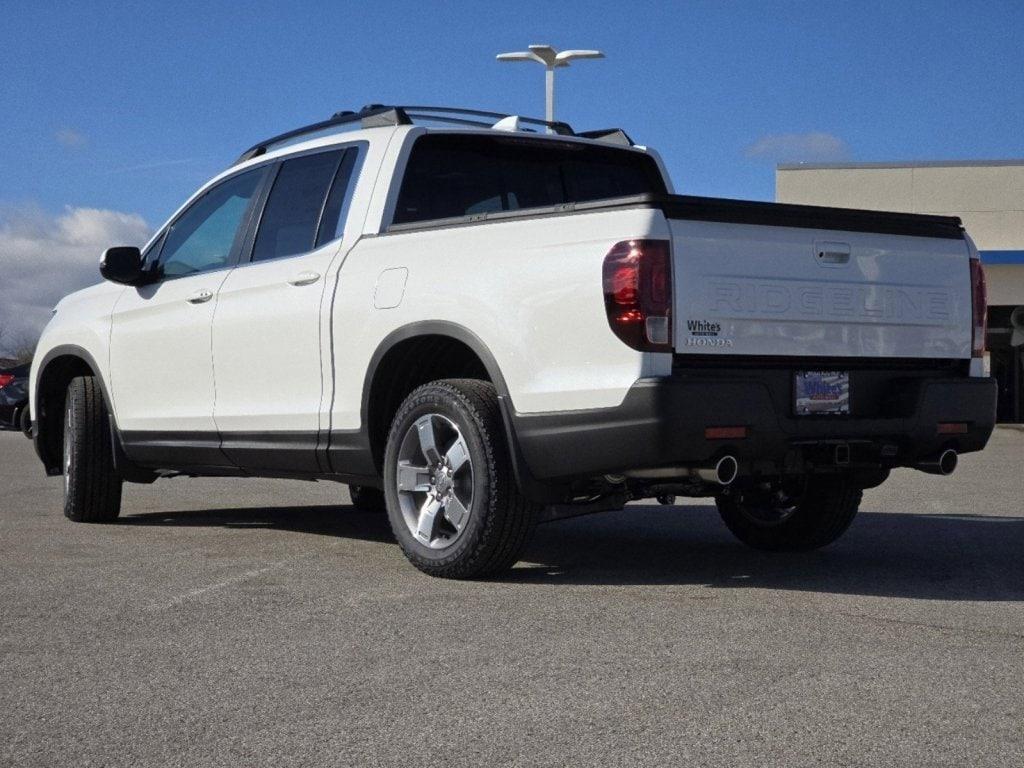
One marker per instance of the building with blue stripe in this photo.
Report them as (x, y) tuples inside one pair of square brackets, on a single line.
[(1002, 257)]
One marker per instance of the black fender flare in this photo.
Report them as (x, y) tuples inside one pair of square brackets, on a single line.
[(430, 328), (529, 486)]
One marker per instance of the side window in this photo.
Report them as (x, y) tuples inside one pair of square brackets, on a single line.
[(203, 236), (332, 223), (294, 207)]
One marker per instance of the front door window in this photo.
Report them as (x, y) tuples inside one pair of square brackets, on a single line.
[(203, 238)]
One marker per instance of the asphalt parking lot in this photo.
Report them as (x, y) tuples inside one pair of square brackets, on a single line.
[(257, 622)]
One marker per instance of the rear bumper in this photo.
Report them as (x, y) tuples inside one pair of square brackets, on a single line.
[(662, 423)]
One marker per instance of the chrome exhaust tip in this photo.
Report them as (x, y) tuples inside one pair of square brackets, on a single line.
[(723, 472), (947, 461), (943, 464)]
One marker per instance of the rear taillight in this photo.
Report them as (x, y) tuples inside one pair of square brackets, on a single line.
[(638, 293), (5, 379), (979, 308)]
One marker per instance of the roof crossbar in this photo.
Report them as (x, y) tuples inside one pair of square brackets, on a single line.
[(377, 115)]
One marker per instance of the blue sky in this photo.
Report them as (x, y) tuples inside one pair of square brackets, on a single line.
[(129, 107)]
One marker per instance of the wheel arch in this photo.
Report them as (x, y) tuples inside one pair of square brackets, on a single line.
[(427, 328), (57, 368), (473, 359), (444, 338)]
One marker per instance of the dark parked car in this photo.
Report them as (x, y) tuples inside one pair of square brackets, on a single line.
[(14, 398)]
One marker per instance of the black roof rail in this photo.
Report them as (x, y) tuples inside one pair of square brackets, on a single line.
[(370, 116), (378, 115)]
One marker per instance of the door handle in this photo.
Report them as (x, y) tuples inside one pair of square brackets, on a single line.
[(201, 296), (305, 278)]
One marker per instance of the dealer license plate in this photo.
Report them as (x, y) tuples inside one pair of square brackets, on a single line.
[(821, 392)]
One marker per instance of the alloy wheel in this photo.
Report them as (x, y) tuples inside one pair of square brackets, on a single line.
[(435, 481)]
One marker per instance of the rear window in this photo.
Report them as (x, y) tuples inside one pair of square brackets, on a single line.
[(454, 175)]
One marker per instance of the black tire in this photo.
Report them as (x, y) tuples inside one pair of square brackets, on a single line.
[(500, 520), (25, 423), (817, 515), (367, 499), (92, 490)]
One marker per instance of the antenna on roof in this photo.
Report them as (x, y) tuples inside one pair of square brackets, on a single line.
[(510, 123)]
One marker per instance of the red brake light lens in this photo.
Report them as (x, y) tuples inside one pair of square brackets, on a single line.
[(638, 293), (979, 308), (725, 433), (5, 379)]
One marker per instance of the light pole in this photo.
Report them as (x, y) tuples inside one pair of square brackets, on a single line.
[(552, 60)]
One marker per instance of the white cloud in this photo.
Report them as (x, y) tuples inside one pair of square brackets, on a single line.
[(44, 257), (69, 137), (799, 147)]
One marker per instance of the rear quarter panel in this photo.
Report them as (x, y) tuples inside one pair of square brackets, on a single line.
[(529, 288)]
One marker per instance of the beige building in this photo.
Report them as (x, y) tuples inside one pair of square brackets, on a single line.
[(987, 195)]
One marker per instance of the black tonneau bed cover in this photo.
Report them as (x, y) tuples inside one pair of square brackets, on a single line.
[(732, 212), (808, 216)]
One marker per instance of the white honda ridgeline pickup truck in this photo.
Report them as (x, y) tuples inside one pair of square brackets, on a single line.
[(496, 321)]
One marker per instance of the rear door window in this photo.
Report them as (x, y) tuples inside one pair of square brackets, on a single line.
[(308, 203), (293, 209), (457, 175), (332, 223)]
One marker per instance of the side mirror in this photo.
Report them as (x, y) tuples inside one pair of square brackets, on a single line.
[(123, 265)]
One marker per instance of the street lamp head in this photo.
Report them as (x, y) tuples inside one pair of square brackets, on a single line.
[(578, 54), (520, 56), (552, 60), (548, 56), (545, 52)]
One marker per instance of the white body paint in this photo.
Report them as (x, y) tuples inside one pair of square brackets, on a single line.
[(275, 349)]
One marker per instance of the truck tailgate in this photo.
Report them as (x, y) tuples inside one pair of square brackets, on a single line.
[(766, 289)]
